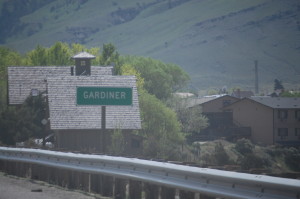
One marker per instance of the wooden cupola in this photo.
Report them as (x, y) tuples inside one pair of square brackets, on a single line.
[(83, 63)]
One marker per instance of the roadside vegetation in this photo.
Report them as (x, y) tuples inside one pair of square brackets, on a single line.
[(245, 156)]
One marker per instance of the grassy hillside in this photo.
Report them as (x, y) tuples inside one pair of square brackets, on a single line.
[(215, 41)]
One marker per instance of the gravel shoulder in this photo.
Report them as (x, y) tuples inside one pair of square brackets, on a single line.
[(12, 187)]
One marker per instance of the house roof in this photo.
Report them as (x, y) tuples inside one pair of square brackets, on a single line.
[(22, 79), (207, 99), (83, 55), (65, 114), (278, 102), (242, 94)]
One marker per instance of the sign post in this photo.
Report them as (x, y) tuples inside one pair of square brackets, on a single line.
[(104, 96)]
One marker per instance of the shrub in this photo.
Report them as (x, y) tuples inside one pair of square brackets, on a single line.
[(221, 156), (244, 146), (292, 159), (251, 161)]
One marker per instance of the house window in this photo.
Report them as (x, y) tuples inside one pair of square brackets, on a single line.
[(282, 114), (297, 114), (283, 133), (82, 63), (226, 102), (297, 133)]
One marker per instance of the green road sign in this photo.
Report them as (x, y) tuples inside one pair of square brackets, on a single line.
[(104, 96)]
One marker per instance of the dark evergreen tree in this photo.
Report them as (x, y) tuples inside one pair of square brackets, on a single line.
[(278, 85), (18, 125)]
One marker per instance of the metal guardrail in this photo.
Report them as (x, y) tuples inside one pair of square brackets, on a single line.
[(218, 183)]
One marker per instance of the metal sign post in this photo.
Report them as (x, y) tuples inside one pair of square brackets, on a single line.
[(104, 96)]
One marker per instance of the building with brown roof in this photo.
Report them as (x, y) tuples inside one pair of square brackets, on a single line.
[(273, 120), (220, 123)]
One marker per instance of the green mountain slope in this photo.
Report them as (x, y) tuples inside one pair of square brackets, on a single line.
[(215, 41)]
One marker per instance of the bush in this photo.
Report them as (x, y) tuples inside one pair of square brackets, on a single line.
[(244, 146), (292, 159), (221, 156), (251, 161)]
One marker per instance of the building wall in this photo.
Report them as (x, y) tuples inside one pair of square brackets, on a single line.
[(98, 141), (80, 140), (287, 125), (257, 116), (217, 104)]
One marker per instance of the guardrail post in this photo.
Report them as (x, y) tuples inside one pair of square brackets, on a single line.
[(42, 173), (9, 167), (203, 196), (135, 189), (2, 162), (66, 178), (59, 177), (51, 175), (151, 191), (187, 195), (19, 169), (120, 188), (77, 180), (85, 177), (89, 183), (62, 176), (95, 183), (34, 172), (71, 179), (167, 193), (107, 186)]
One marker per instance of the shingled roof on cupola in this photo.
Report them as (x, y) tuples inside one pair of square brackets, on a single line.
[(83, 55)]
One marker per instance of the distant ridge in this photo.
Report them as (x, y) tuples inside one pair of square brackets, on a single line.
[(216, 42)]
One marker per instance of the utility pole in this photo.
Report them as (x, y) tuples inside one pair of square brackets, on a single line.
[(256, 76)]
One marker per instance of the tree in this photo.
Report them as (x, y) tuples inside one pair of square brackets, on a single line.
[(7, 58), (18, 125), (117, 142), (191, 118), (160, 126), (59, 54), (37, 57), (160, 79), (278, 85), (290, 94), (109, 55), (127, 69), (278, 88)]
